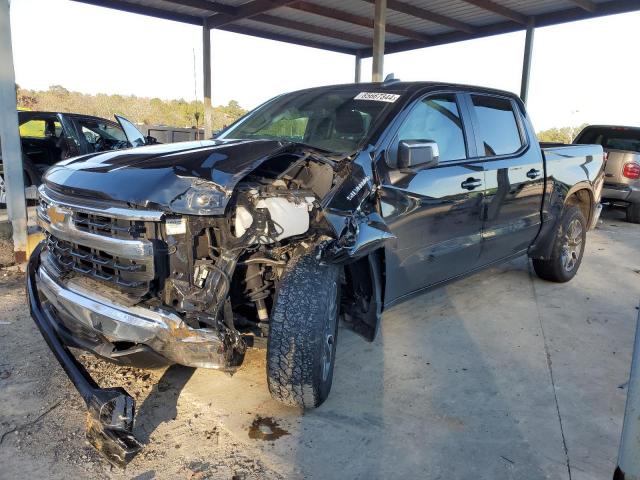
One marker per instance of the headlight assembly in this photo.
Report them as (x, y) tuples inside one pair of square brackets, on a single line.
[(199, 200)]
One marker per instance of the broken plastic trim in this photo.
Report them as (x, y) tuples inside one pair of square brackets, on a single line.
[(361, 236), (111, 411)]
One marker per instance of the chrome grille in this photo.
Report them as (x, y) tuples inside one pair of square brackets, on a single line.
[(132, 276), (110, 248), (111, 227)]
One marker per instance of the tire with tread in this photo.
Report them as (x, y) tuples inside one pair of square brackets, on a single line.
[(307, 299), (633, 213), (552, 269)]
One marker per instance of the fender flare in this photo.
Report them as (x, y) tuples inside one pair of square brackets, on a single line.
[(542, 246)]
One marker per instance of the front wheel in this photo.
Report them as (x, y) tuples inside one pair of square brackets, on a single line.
[(568, 248), (301, 348)]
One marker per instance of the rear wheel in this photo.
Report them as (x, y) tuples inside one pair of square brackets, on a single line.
[(302, 334), (568, 248), (633, 213)]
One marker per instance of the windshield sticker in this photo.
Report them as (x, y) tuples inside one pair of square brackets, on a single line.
[(377, 97)]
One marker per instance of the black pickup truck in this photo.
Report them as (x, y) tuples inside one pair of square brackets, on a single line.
[(324, 204)]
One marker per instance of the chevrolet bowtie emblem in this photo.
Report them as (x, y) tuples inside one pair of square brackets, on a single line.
[(55, 214)]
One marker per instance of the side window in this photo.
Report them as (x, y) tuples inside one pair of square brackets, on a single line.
[(89, 135), (40, 128), (497, 125), (102, 135), (435, 118)]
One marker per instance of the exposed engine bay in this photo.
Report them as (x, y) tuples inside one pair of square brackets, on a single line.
[(224, 272)]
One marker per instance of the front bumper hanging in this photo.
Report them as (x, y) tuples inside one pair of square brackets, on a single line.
[(69, 315), (110, 410)]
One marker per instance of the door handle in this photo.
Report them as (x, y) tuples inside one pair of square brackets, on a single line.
[(533, 173), (471, 183)]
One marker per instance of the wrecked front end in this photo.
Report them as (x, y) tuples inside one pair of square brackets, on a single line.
[(192, 281)]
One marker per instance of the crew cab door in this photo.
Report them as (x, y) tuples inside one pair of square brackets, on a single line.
[(434, 211), (514, 176)]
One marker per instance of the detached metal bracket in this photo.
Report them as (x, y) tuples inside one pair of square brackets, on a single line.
[(110, 411)]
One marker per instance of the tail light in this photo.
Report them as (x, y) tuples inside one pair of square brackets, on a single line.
[(631, 170)]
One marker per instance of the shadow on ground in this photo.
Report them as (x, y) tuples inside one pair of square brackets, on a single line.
[(161, 405)]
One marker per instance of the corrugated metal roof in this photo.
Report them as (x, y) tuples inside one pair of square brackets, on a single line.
[(347, 25)]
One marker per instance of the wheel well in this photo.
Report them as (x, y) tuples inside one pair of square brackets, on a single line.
[(582, 199), (363, 293)]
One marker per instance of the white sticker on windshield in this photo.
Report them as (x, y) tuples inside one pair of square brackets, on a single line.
[(377, 97)]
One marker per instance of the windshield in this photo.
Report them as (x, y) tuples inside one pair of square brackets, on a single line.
[(337, 120)]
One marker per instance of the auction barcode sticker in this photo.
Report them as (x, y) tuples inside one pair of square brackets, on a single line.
[(377, 97)]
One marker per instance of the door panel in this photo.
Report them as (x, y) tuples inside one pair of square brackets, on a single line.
[(438, 225), (512, 206), (514, 176), (434, 212)]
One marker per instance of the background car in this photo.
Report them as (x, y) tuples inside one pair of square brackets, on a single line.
[(48, 137), (622, 172)]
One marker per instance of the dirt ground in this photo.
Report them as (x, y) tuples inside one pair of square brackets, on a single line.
[(471, 392), (42, 417)]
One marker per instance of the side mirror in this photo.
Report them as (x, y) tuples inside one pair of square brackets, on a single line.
[(413, 153), (150, 140)]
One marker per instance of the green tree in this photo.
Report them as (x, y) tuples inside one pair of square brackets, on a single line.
[(151, 111), (560, 135)]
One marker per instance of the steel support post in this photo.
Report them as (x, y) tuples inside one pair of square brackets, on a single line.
[(379, 27), (13, 175), (206, 78), (526, 62), (629, 453), (358, 70)]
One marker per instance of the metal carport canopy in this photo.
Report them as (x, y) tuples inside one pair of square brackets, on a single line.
[(346, 26)]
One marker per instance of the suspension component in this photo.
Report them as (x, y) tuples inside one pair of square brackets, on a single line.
[(258, 290)]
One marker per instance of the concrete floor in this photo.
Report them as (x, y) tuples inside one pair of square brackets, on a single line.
[(498, 376)]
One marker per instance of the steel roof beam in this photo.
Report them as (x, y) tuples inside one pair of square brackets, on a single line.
[(206, 5), (309, 28), (341, 15), (428, 15), (501, 10), (254, 32), (248, 10), (144, 10), (587, 5)]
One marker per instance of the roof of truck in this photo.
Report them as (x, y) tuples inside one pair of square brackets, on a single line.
[(399, 86)]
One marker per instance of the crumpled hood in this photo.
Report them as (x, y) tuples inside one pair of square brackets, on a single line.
[(155, 176)]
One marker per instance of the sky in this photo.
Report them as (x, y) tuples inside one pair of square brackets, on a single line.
[(577, 68)]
